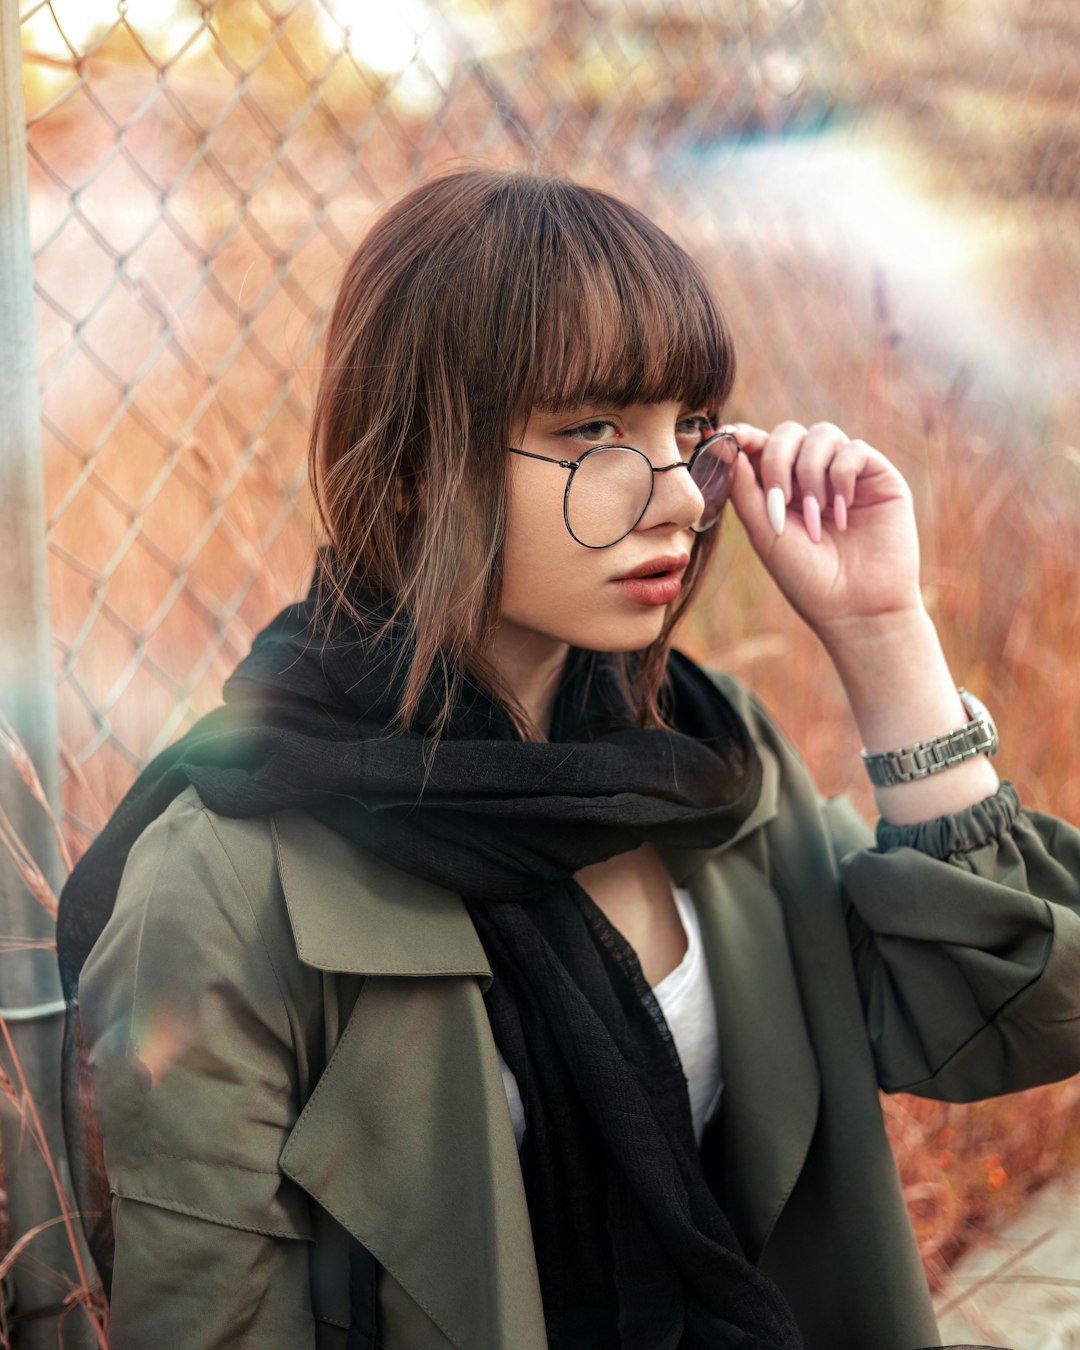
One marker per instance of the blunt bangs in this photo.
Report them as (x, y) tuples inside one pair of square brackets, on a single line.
[(618, 312)]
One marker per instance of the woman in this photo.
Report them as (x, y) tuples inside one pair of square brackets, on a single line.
[(484, 973)]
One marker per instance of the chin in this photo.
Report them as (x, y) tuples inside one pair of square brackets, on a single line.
[(622, 634)]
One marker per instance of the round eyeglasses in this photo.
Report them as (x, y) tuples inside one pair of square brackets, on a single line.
[(608, 489)]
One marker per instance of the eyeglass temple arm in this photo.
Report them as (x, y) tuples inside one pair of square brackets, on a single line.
[(563, 463), (575, 463)]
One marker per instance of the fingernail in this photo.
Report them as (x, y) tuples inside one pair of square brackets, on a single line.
[(774, 507), (839, 510), (812, 516)]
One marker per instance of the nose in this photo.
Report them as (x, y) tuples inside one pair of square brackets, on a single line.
[(676, 498)]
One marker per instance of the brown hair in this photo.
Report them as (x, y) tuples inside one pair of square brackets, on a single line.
[(478, 296)]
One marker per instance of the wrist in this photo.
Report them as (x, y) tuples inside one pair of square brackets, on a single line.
[(901, 692), (851, 639), (911, 763), (894, 661)]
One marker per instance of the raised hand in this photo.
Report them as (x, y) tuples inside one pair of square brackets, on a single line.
[(848, 550)]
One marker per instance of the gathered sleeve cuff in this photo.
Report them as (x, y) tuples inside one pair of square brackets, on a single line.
[(959, 832)]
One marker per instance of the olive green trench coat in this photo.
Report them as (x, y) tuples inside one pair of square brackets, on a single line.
[(291, 1045)]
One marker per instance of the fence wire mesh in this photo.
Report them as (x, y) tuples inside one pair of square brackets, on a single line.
[(849, 172)]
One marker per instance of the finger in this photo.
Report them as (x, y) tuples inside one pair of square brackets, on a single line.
[(817, 451), (778, 455), (844, 470), (750, 438), (770, 455), (811, 465)]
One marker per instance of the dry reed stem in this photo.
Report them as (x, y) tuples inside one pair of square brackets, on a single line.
[(32, 875), (9, 943), (9, 741), (74, 768), (19, 1247), (68, 1213)]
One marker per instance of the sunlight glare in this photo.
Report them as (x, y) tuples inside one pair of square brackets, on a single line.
[(82, 23), (383, 36), (856, 197), (396, 38)]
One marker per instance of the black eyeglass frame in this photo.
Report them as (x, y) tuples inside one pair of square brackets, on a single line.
[(574, 464)]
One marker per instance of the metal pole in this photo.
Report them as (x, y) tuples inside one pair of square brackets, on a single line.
[(29, 983)]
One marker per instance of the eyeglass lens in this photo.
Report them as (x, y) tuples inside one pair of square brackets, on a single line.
[(610, 489)]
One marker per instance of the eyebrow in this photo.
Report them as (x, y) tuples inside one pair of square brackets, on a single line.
[(596, 406)]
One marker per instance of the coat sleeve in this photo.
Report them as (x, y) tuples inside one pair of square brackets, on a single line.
[(966, 936), (964, 932), (195, 1079)]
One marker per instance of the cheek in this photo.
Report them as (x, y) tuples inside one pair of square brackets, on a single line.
[(542, 564), (555, 586)]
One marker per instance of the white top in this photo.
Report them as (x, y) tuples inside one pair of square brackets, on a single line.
[(685, 997)]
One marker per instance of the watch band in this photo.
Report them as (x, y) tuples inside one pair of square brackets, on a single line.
[(978, 737)]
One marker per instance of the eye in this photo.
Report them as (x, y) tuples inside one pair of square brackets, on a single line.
[(699, 425), (592, 431), (691, 431)]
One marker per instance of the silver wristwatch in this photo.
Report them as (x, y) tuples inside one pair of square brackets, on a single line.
[(941, 752)]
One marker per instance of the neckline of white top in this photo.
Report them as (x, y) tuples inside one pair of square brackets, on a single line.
[(675, 980)]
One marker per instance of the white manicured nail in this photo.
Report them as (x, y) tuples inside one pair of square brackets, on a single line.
[(774, 506)]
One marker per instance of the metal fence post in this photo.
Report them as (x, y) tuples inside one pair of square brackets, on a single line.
[(29, 984)]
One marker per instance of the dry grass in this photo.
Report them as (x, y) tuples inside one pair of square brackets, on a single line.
[(15, 1087)]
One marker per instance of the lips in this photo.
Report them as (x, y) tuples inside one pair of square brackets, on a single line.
[(671, 564)]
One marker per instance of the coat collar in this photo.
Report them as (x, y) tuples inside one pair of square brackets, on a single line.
[(683, 862), (355, 914)]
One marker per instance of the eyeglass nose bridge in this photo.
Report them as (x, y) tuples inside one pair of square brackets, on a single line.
[(664, 468), (688, 464)]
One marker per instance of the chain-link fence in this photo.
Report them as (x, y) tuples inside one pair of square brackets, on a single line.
[(885, 195)]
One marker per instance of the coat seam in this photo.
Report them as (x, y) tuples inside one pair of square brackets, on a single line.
[(180, 1208)]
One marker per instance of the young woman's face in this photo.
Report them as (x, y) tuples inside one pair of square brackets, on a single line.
[(553, 586)]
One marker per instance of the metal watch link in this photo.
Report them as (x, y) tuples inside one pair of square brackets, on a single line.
[(940, 752)]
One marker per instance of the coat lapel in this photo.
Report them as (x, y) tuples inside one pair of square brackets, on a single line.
[(435, 1196), (772, 1088)]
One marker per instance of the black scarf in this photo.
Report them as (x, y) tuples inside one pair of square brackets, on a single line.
[(633, 1249)]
